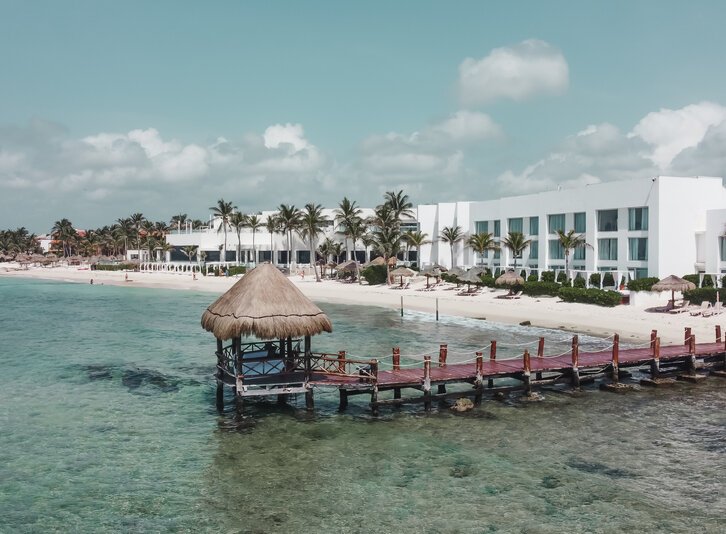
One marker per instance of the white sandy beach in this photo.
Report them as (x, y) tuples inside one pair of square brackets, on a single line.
[(631, 322)]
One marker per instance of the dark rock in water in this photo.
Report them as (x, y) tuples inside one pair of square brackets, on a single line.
[(525, 323), (551, 482), (137, 378), (98, 372), (598, 468)]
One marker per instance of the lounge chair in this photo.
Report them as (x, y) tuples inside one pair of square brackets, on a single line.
[(716, 309), (516, 295), (685, 306), (705, 305)]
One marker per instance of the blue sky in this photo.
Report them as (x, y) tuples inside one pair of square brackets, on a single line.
[(112, 107)]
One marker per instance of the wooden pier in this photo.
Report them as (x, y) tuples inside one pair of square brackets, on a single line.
[(289, 366)]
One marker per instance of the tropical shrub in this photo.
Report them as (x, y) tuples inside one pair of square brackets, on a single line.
[(691, 278), (235, 270), (113, 267), (608, 280), (561, 277), (642, 284), (535, 289), (487, 280), (532, 278), (375, 274), (702, 294), (600, 297), (595, 279), (579, 282), (548, 276)]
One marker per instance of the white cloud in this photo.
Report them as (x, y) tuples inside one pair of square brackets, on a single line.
[(290, 135), (670, 131), (518, 72)]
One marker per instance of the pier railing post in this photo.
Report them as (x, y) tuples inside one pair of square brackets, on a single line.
[(575, 362), (341, 362), (396, 359), (540, 355), (692, 355), (616, 359), (527, 371), (718, 333), (687, 335), (478, 383), (427, 383), (492, 358), (443, 350), (655, 363), (653, 335), (374, 390)]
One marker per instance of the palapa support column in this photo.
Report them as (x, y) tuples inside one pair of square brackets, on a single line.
[(341, 361), (374, 391), (526, 373), (443, 351), (655, 363), (492, 358), (540, 355), (479, 383), (575, 362), (282, 397), (309, 401), (616, 360), (220, 384), (427, 383), (396, 367), (343, 399)]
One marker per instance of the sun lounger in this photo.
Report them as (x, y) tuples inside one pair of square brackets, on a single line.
[(516, 295), (686, 306), (705, 305), (716, 309)]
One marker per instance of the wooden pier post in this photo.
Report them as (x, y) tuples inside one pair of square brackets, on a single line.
[(341, 361), (655, 363), (575, 362), (220, 396), (718, 333), (527, 374), (653, 335), (616, 359), (687, 335), (692, 355), (309, 401), (540, 355), (443, 351), (427, 383), (343, 399), (220, 384), (437, 308), (492, 358), (401, 305), (478, 384), (374, 391), (396, 367)]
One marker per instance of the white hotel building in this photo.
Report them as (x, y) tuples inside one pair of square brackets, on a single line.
[(647, 227)]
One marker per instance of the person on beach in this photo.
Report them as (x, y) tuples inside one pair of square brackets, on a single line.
[(91, 281), (302, 274), (194, 276)]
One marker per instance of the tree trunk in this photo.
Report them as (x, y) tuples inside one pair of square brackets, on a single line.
[(312, 260), (254, 250), (452, 255)]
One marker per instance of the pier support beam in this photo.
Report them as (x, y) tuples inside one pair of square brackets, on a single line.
[(443, 352), (527, 374), (492, 358), (479, 382), (220, 396), (343, 399), (540, 355), (575, 362), (427, 383), (309, 401)]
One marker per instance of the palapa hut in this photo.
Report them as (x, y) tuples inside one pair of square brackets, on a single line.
[(266, 305), (511, 279), (673, 283), (403, 272)]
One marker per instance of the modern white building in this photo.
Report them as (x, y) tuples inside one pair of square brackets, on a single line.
[(650, 227)]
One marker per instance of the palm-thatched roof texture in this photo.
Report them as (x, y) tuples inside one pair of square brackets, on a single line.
[(470, 277), (264, 304), (403, 271), (673, 283), (348, 266), (380, 261), (457, 272), (510, 278)]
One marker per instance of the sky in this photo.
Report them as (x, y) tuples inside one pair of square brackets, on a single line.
[(109, 108)]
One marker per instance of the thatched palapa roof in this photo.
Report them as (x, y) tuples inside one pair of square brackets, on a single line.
[(673, 283), (510, 278), (265, 304)]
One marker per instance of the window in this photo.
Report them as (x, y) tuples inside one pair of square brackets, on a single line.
[(638, 247), (516, 225), (556, 222), (534, 250), (607, 249), (303, 256), (637, 218), (578, 253), (607, 220), (580, 222), (497, 228), (556, 250), (641, 272), (481, 227), (497, 254), (533, 225), (722, 241)]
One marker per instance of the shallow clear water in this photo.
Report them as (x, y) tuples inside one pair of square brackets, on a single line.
[(107, 423)]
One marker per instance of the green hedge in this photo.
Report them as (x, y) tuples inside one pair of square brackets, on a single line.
[(535, 289), (701, 294), (113, 267), (487, 280), (235, 270), (599, 297), (595, 279), (579, 282), (548, 276), (642, 284), (375, 274)]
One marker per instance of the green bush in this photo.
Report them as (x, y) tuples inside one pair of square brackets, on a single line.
[(579, 282), (548, 276), (532, 278), (595, 279), (608, 280), (691, 278), (235, 270), (702, 294), (599, 297), (642, 284), (375, 274), (534, 289), (561, 277), (113, 267), (487, 280)]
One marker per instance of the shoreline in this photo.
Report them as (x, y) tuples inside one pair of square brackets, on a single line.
[(633, 323)]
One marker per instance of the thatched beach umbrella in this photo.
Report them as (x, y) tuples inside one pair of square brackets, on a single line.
[(375, 261), (457, 272), (403, 271), (470, 277), (478, 269), (511, 279), (264, 304), (348, 267), (673, 283), (430, 271)]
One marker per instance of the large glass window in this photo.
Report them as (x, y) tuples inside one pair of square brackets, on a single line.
[(497, 228), (723, 247), (580, 222), (638, 248), (641, 272), (516, 225), (534, 250), (533, 225), (607, 220), (556, 222), (607, 249), (481, 227), (578, 253), (637, 218), (556, 250)]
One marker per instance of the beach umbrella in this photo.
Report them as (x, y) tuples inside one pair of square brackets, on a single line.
[(348, 266), (265, 304), (510, 278), (457, 272), (478, 269), (673, 283), (470, 277), (403, 271), (375, 261), (430, 271)]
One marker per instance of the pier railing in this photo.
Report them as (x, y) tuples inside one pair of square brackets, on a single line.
[(340, 366)]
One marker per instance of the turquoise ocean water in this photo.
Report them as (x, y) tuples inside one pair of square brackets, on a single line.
[(107, 424)]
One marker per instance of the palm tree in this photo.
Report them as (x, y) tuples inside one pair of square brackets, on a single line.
[(325, 249), (346, 215), (311, 226), (356, 230), (451, 235), (571, 241), (124, 231), (137, 220), (238, 221), (272, 225), (289, 218), (368, 241), (386, 234), (516, 242), (482, 242), (224, 211), (417, 239), (63, 231), (254, 223), (189, 251), (399, 203), (178, 221)]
